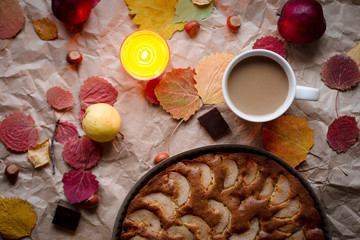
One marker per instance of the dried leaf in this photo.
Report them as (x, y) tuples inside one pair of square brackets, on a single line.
[(177, 94), (354, 53), (97, 90), (59, 98), (186, 11), (18, 218), (65, 131), (209, 74), (288, 137), (45, 29), (342, 133), (340, 72), (18, 132), (271, 43), (11, 18), (79, 185), (201, 2), (39, 154), (81, 152), (157, 15), (149, 90)]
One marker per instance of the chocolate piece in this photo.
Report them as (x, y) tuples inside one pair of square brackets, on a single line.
[(66, 218), (214, 123)]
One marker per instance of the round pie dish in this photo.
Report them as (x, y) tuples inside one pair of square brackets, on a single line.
[(198, 153)]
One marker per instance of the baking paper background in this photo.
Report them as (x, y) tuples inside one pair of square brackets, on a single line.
[(30, 66)]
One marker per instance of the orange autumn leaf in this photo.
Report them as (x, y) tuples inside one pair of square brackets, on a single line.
[(209, 74), (288, 137), (157, 15), (177, 94)]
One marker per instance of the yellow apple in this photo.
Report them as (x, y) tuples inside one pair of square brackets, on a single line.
[(101, 122)]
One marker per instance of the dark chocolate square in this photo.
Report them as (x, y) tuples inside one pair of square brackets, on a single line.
[(214, 123), (66, 218)]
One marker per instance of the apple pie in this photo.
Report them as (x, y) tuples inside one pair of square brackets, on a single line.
[(235, 196)]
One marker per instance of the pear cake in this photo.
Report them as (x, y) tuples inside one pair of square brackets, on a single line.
[(235, 196)]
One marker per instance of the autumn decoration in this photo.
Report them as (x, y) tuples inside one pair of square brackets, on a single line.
[(18, 132), (18, 218), (288, 137), (271, 43), (341, 72)]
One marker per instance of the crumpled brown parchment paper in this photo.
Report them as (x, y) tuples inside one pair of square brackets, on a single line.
[(30, 66)]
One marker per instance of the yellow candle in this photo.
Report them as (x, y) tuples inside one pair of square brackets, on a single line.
[(144, 55)]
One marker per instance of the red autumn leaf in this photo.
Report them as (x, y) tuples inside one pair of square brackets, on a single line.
[(177, 94), (340, 72), (79, 185), (342, 133), (18, 132), (11, 18), (65, 131), (59, 98), (149, 90), (81, 152), (81, 115), (271, 43), (97, 90)]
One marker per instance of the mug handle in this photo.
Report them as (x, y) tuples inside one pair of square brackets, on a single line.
[(307, 93)]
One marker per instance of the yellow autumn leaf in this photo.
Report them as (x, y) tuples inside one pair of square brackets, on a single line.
[(288, 137), (157, 15), (209, 74), (354, 53), (39, 154), (17, 216)]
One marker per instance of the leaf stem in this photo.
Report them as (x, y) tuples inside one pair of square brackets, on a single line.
[(336, 104), (172, 134), (333, 163)]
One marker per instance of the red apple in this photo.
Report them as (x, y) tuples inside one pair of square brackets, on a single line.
[(301, 21), (72, 11)]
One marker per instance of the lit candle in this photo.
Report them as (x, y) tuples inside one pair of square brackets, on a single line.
[(144, 55)]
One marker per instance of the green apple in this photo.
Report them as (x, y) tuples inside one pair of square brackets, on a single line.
[(101, 122)]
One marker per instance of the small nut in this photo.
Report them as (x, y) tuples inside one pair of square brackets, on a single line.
[(92, 201), (234, 23), (161, 156), (12, 172), (74, 57)]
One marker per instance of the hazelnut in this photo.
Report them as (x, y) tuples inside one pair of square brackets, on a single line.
[(161, 156), (12, 172), (92, 201), (74, 57)]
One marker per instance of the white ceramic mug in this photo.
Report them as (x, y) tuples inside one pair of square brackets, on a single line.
[(294, 91)]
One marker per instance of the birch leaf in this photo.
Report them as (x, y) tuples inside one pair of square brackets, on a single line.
[(18, 218), (209, 74), (39, 154), (187, 10), (157, 15), (177, 94), (342, 133), (340, 72), (289, 138)]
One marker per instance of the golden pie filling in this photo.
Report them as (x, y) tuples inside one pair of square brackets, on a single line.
[(236, 196)]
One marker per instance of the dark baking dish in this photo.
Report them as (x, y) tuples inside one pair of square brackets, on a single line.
[(223, 148)]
